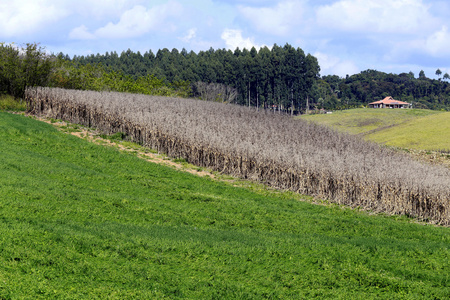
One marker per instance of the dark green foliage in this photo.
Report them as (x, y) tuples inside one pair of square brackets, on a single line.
[(280, 78), (80, 221), (23, 66), (332, 92), (96, 77)]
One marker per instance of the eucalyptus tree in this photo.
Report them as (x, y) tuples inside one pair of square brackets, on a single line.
[(262, 77), (446, 76), (265, 74), (312, 70)]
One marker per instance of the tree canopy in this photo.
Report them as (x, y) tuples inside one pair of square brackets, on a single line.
[(282, 78), (279, 78), (23, 66), (371, 85)]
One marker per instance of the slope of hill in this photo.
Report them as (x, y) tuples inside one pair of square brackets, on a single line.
[(430, 132), (405, 128), (302, 157), (79, 220)]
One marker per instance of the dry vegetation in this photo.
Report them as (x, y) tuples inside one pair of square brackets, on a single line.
[(267, 147)]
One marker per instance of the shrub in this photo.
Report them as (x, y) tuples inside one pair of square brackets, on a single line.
[(10, 103)]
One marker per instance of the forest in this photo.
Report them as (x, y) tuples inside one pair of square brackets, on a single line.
[(280, 78), (360, 89)]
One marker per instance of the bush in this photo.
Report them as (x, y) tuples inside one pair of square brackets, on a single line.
[(10, 103)]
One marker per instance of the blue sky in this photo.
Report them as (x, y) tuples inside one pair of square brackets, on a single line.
[(347, 36)]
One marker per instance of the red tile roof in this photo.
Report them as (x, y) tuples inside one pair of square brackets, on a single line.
[(389, 100)]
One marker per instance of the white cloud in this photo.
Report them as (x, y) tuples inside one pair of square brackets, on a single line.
[(333, 65), (133, 22), (376, 16), (233, 39), (344, 68), (26, 17), (100, 8), (438, 44), (81, 33), (139, 20), (191, 34), (279, 20), (434, 47), (251, 2)]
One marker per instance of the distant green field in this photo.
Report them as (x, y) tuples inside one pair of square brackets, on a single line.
[(406, 128), (83, 221), (426, 133)]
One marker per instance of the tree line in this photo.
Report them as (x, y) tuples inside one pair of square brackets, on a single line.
[(23, 66), (279, 78), (333, 92), (282, 78), (30, 65)]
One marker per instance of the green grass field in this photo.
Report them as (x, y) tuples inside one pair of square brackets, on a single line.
[(405, 128), (426, 133), (84, 221)]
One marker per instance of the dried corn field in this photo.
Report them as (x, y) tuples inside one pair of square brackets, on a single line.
[(270, 148)]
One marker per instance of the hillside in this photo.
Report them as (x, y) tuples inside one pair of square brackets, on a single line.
[(84, 221), (430, 132), (411, 128), (302, 157)]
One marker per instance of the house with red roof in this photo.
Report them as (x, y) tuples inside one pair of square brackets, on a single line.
[(389, 102)]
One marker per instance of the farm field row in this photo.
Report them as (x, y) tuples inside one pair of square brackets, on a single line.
[(302, 157), (404, 128), (80, 220)]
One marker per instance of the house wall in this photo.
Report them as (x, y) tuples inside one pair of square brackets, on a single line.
[(388, 106)]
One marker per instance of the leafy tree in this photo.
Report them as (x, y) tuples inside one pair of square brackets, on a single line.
[(422, 74), (446, 76), (311, 76), (23, 66)]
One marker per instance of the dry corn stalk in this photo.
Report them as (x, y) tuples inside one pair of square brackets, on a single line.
[(274, 149)]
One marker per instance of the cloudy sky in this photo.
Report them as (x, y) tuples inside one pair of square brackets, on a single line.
[(347, 36)]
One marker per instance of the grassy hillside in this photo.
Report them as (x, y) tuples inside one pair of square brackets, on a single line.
[(430, 132), (79, 220), (302, 157), (406, 128)]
